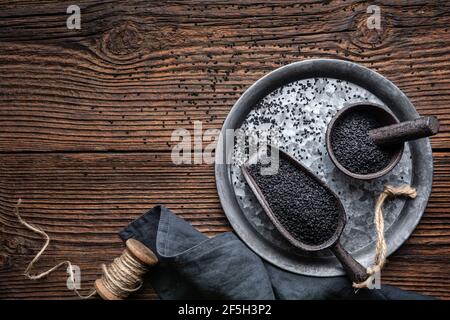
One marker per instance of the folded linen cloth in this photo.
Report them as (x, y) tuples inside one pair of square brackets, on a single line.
[(193, 266)]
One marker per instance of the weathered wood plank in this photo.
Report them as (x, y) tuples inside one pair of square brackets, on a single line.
[(83, 200), (136, 71)]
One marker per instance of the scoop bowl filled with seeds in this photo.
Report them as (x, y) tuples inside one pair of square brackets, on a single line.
[(303, 209), (366, 140)]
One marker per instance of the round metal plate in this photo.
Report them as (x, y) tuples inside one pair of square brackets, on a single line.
[(416, 168)]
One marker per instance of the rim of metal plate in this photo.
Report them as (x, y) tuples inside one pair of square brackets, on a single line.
[(370, 80)]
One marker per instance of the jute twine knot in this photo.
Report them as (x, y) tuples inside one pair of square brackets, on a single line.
[(380, 248), (122, 277)]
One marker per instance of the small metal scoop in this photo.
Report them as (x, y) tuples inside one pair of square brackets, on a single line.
[(355, 271), (393, 133)]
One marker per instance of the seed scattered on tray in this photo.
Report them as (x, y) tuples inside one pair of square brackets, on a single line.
[(302, 105), (303, 207), (353, 147)]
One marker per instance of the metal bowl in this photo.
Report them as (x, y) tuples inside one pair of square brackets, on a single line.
[(385, 116), (421, 161)]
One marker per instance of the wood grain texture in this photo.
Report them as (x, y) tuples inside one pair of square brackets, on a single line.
[(83, 200), (137, 70), (86, 116)]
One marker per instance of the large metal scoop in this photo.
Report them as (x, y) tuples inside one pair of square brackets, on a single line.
[(355, 271)]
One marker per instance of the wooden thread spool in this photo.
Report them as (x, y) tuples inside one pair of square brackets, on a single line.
[(122, 277), (141, 254)]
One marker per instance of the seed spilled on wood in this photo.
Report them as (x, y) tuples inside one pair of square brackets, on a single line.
[(353, 147), (304, 208)]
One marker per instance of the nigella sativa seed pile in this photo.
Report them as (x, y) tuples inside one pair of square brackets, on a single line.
[(353, 147), (307, 210)]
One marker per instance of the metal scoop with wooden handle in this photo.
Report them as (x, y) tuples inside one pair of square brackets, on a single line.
[(355, 271)]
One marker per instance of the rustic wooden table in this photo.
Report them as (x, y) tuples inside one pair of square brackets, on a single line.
[(86, 116)]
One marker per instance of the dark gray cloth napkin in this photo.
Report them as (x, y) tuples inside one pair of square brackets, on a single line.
[(193, 266)]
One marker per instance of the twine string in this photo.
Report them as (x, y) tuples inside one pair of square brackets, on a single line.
[(122, 277), (380, 247)]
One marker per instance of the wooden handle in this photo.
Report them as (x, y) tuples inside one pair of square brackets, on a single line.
[(355, 271), (405, 131), (141, 252)]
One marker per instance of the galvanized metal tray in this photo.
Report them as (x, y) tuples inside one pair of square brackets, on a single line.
[(306, 95)]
